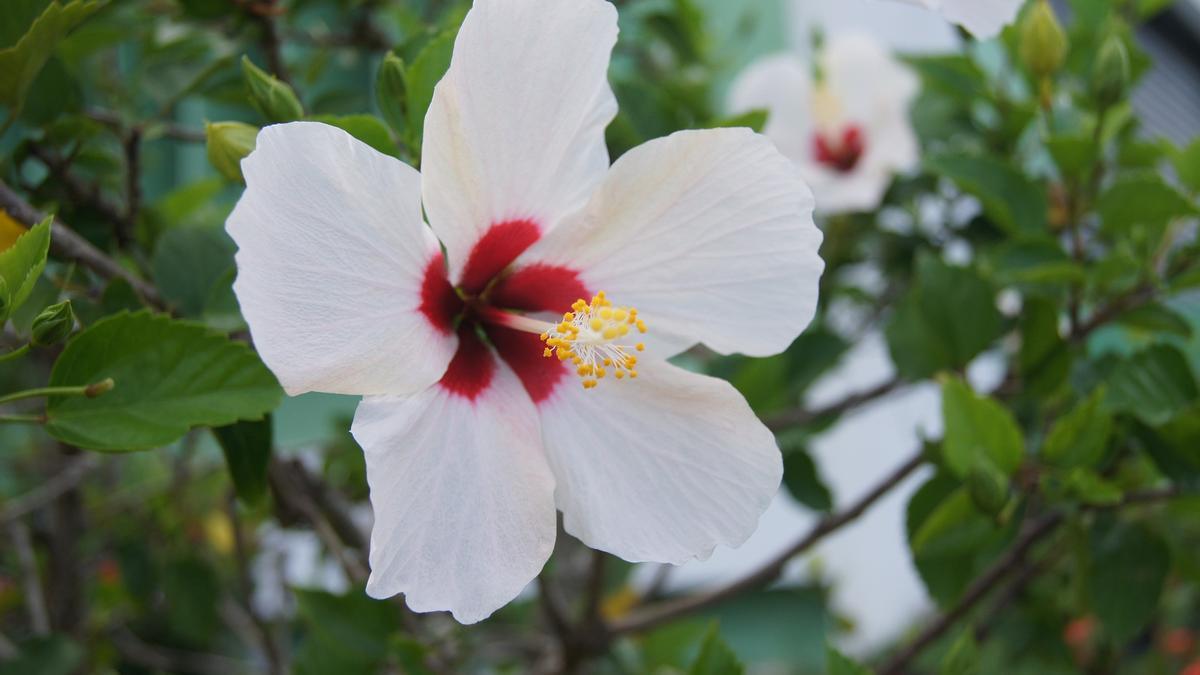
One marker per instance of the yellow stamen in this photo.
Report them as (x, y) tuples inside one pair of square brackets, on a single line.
[(589, 335)]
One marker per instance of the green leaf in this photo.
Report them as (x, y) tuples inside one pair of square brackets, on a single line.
[(21, 63), (1156, 318), (187, 264), (1127, 571), (943, 322), (1074, 155), (837, 663), (1080, 437), (247, 450), (1016, 203), (366, 128), (344, 634), (951, 541), (1044, 360), (963, 657), (754, 119), (1141, 199), (420, 78), (22, 263), (803, 481), (170, 376), (1090, 487), (1175, 448), (977, 426), (1187, 165), (49, 655), (390, 92), (715, 657), (192, 589), (1155, 384)]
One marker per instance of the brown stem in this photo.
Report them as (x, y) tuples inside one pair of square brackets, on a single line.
[(66, 243), (276, 661), (977, 591), (133, 187), (802, 416), (657, 614)]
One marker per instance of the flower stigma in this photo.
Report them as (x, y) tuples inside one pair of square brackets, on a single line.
[(591, 336)]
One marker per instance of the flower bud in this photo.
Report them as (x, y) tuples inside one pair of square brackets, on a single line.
[(389, 91), (53, 325), (228, 143), (1043, 45), (272, 97), (988, 488), (1110, 72)]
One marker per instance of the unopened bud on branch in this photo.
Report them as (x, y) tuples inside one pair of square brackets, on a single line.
[(272, 97), (53, 325), (1043, 43), (1110, 72), (228, 143)]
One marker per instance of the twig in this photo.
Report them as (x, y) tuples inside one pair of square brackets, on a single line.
[(1025, 576), (801, 416), (67, 585), (50, 490), (595, 588), (88, 194), (655, 615), (270, 646), (35, 601), (66, 243), (291, 491), (978, 590), (133, 186)]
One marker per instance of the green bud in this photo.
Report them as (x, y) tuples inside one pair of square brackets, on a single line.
[(1110, 72), (272, 97), (5, 301), (390, 91), (228, 143), (1043, 45), (53, 325), (988, 488)]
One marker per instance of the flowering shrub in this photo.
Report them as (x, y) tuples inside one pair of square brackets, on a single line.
[(361, 336)]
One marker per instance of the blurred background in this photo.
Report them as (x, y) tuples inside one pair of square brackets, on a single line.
[(150, 564)]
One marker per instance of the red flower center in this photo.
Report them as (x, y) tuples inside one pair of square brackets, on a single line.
[(839, 152), (488, 283)]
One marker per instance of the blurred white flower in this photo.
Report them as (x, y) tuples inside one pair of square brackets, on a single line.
[(473, 427), (846, 128), (983, 18)]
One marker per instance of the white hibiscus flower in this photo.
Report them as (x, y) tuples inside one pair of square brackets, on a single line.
[(476, 429), (848, 131), (983, 18)]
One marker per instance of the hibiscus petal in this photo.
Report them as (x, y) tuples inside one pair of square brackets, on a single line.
[(463, 497), (335, 265), (709, 234), (662, 468), (514, 137)]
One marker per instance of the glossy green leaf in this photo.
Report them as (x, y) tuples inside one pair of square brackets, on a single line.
[(390, 92), (21, 62), (1044, 359), (1154, 384), (247, 450), (753, 119), (1080, 437), (715, 657), (170, 376), (963, 657), (1127, 571), (1156, 318), (1013, 201), (978, 427), (22, 263)]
